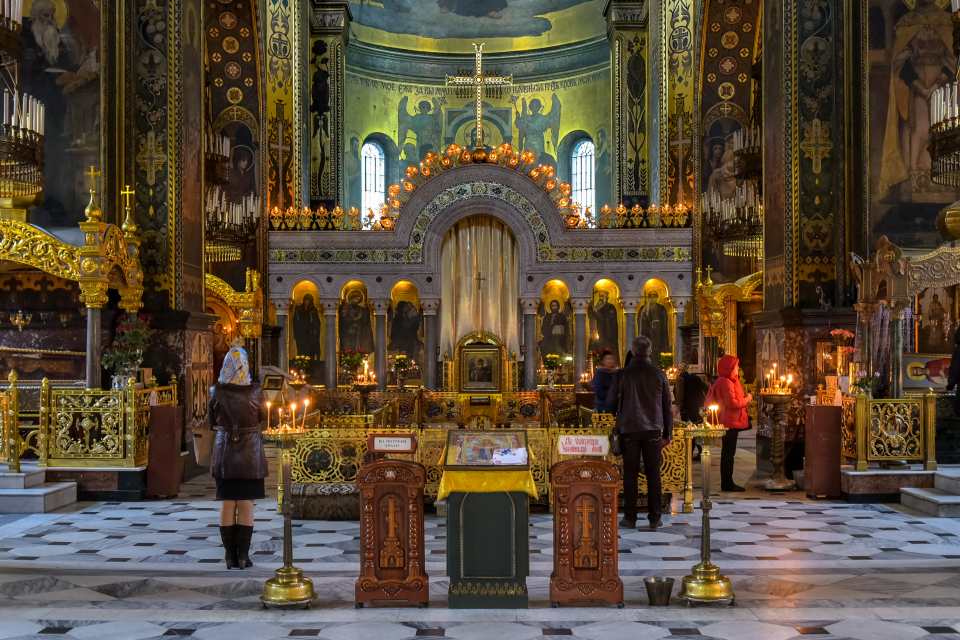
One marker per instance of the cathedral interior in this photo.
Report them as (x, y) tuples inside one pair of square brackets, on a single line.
[(427, 219)]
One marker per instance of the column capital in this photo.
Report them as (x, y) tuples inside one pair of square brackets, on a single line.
[(330, 306), (430, 306), (380, 306), (580, 305), (530, 306)]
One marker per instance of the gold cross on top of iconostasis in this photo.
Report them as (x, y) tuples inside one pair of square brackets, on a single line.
[(480, 82)]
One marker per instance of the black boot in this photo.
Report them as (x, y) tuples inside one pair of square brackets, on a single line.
[(243, 535), (229, 538)]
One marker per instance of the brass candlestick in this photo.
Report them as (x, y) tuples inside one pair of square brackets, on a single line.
[(288, 588), (706, 584), (778, 400)]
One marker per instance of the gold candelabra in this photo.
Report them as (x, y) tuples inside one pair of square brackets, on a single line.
[(288, 588), (706, 584), (21, 319)]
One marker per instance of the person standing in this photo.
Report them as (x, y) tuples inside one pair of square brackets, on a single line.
[(603, 378), (727, 392), (641, 397), (238, 462), (691, 393)]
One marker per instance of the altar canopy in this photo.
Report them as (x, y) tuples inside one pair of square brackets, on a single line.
[(479, 282)]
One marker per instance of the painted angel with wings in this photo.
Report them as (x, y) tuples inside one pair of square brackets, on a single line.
[(425, 123), (533, 124)]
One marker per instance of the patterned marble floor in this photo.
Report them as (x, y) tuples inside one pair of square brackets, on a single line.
[(801, 569)]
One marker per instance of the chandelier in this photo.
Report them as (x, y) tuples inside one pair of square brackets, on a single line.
[(22, 133), (229, 226), (736, 223), (945, 139)]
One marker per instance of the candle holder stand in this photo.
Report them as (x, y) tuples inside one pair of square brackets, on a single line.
[(364, 389), (705, 584), (288, 588), (778, 403)]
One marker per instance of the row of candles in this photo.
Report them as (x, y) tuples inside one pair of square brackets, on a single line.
[(745, 207), (218, 208), (748, 138), (290, 426), (368, 376), (777, 384), (23, 111), (218, 144), (944, 104), (12, 11)]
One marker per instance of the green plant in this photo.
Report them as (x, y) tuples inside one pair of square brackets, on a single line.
[(130, 341), (352, 358), (551, 362)]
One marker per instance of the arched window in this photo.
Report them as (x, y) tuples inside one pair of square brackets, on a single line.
[(582, 175), (372, 162)]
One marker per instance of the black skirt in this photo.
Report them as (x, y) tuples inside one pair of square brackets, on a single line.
[(240, 489)]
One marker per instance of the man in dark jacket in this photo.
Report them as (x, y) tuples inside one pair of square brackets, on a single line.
[(641, 397)]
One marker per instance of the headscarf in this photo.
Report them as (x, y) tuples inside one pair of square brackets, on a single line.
[(236, 367)]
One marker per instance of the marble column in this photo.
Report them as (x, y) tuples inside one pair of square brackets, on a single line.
[(580, 306), (380, 347), (431, 335), (531, 353), (94, 338), (630, 324), (680, 308), (283, 322), (896, 351), (331, 364)]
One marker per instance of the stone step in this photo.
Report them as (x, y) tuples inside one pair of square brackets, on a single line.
[(47, 497), (948, 479), (28, 476), (932, 502)]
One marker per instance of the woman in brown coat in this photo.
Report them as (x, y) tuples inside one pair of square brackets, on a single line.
[(238, 462)]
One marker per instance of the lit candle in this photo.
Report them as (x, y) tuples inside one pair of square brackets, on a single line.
[(269, 405), (293, 415), (303, 422)]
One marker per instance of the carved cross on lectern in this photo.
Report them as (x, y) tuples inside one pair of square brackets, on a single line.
[(585, 556), (479, 82)]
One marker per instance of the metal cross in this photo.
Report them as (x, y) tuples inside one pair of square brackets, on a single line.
[(480, 280), (93, 173), (127, 193), (479, 82), (816, 143)]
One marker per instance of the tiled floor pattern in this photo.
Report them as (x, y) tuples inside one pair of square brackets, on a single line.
[(801, 569)]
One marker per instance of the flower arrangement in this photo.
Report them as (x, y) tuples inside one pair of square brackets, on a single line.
[(125, 353), (841, 335), (352, 358), (551, 362)]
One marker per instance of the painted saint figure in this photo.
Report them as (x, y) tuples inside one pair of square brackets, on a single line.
[(533, 124), (405, 330), (306, 328), (555, 330), (425, 124), (356, 331), (655, 325), (606, 324)]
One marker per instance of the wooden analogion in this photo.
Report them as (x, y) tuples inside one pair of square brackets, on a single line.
[(585, 565), (392, 568)]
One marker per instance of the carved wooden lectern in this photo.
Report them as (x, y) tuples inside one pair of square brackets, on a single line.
[(392, 568), (585, 561)]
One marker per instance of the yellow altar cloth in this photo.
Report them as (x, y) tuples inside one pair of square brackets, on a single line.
[(485, 481)]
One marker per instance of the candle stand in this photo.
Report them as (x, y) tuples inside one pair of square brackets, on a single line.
[(778, 402), (288, 588), (364, 389), (705, 584)]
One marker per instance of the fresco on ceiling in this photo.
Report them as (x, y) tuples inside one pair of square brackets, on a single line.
[(451, 25)]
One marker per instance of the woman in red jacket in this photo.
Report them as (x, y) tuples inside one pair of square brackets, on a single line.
[(727, 392)]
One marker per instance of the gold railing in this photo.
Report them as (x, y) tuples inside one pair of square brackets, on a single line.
[(890, 430), (80, 428), (333, 454)]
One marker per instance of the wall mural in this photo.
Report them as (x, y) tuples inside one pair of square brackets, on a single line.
[(911, 54), (355, 320), (606, 319), (451, 25), (192, 152), (61, 68), (730, 34), (307, 330), (411, 120)]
